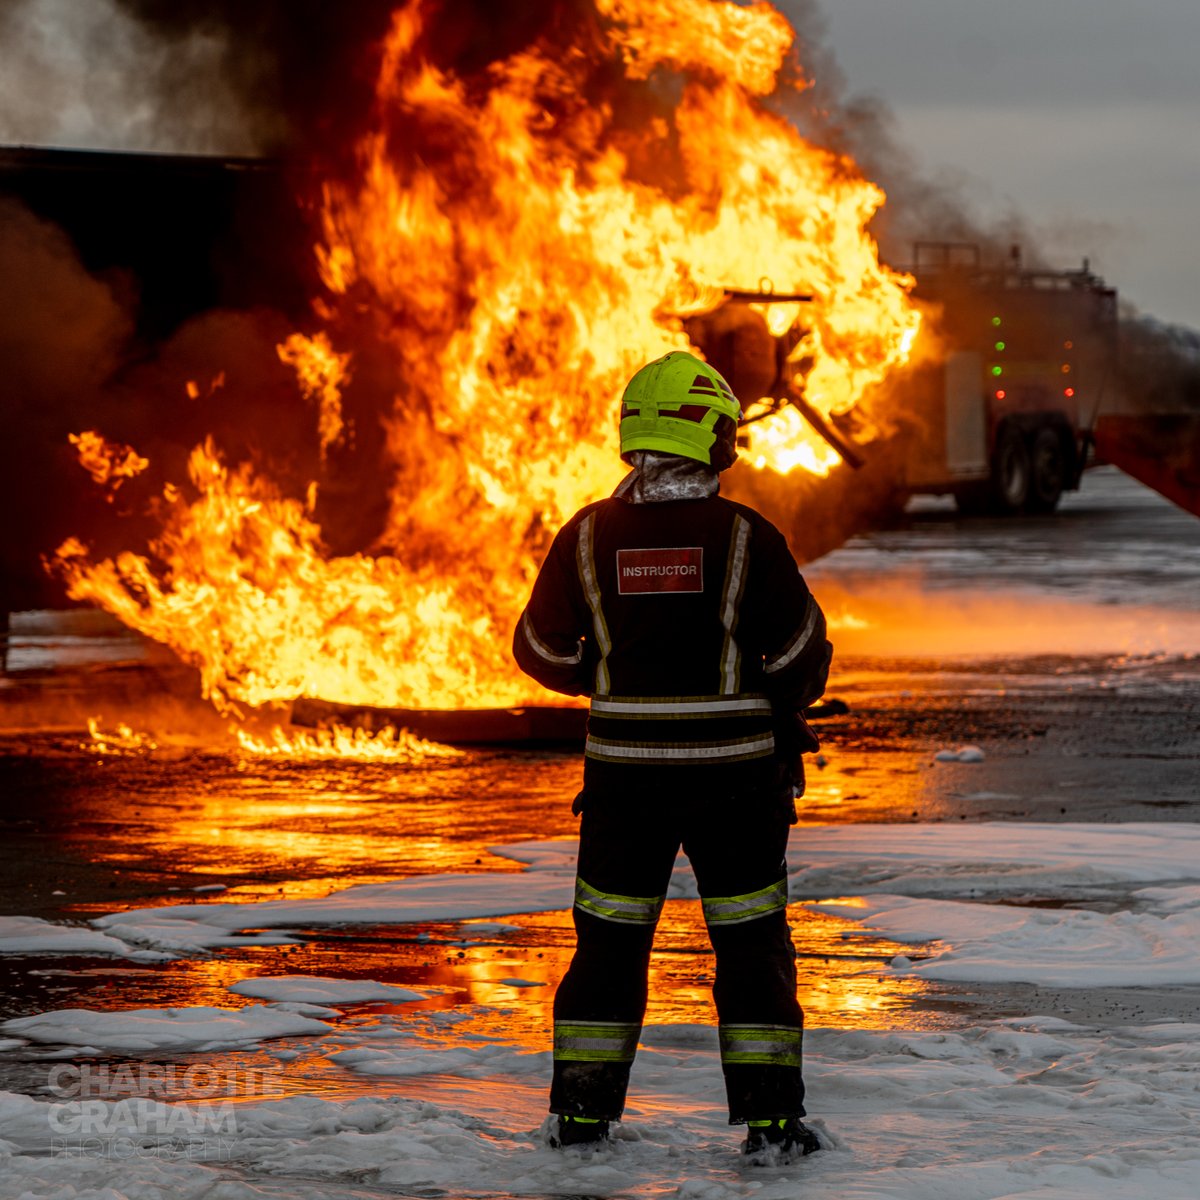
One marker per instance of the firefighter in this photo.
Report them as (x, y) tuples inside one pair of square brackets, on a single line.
[(684, 618)]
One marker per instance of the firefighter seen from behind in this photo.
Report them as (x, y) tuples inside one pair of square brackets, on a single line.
[(685, 619)]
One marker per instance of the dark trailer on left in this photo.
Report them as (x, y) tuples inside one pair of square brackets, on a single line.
[(105, 257)]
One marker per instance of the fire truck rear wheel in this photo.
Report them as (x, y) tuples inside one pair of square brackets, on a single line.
[(1011, 470), (1048, 471)]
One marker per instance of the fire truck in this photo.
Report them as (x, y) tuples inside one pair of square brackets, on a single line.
[(1000, 410), (1003, 418)]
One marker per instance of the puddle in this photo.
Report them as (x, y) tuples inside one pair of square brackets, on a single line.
[(468, 966)]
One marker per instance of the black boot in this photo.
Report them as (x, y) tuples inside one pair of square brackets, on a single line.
[(780, 1139), (578, 1131)]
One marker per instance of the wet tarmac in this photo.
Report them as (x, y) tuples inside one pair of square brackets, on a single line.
[(1067, 649)]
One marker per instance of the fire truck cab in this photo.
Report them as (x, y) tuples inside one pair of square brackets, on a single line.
[(1003, 414)]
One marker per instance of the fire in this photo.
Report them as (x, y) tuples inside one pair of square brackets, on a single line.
[(516, 243), (123, 740), (388, 745), (321, 372), (744, 44), (397, 747), (108, 463), (193, 392), (242, 589), (843, 619), (783, 441)]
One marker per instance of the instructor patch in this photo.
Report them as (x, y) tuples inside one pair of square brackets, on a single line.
[(679, 569)]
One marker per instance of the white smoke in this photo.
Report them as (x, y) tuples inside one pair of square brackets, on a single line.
[(85, 74)]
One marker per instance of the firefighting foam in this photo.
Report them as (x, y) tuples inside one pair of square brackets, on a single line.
[(516, 242)]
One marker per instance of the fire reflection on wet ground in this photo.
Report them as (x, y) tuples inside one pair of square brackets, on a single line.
[(498, 985), (136, 825), (183, 818)]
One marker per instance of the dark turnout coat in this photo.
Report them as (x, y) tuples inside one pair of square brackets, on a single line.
[(689, 625)]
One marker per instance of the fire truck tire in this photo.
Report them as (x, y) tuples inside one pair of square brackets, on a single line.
[(1048, 471), (1011, 471)]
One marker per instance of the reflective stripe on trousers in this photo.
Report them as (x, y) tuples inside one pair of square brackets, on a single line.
[(733, 910), (595, 1041), (760, 1045), (625, 910)]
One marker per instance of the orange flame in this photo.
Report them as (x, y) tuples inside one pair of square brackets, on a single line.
[(784, 441), (107, 462), (243, 590), (122, 740), (745, 45), (399, 747), (322, 372), (516, 279)]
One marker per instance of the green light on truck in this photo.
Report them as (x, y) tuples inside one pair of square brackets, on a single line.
[(997, 371)]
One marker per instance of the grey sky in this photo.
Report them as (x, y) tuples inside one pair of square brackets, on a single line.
[(84, 73), (1082, 115)]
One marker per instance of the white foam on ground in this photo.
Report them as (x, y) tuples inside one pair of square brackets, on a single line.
[(990, 858), (1006, 1110), (31, 935), (188, 927), (995, 943), (896, 875), (146, 1029), (916, 883), (316, 989), (965, 754), (964, 862)]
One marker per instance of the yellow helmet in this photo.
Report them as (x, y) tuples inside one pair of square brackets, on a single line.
[(683, 406)]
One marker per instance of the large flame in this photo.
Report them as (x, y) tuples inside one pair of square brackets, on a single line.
[(518, 245)]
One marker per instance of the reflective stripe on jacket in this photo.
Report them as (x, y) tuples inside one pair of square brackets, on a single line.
[(687, 622)]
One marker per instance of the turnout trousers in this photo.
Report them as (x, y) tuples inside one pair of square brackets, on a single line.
[(627, 849)]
